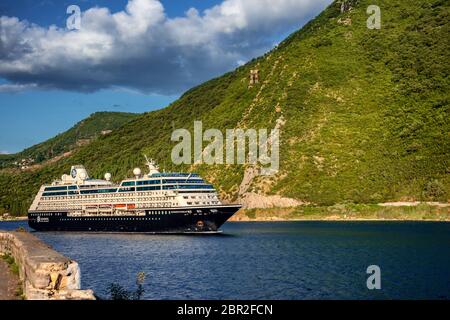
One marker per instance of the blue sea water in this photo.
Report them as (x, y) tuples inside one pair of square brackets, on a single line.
[(268, 260)]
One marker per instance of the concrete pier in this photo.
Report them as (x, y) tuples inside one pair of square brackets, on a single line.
[(44, 273)]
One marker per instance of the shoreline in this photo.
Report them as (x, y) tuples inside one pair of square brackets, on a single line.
[(390, 211), (277, 219), (338, 220), (393, 211), (24, 218)]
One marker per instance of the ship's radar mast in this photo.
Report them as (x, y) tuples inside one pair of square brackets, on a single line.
[(152, 166)]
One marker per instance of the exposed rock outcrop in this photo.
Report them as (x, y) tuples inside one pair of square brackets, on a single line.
[(252, 200), (347, 5)]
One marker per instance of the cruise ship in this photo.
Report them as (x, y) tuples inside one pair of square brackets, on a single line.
[(156, 202)]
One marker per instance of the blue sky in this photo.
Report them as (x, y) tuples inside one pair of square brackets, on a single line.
[(129, 55), (34, 116), (47, 12)]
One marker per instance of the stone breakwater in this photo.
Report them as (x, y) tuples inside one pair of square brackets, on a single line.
[(45, 274)]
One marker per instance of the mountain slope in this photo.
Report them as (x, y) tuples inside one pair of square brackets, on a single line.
[(80, 134), (363, 115)]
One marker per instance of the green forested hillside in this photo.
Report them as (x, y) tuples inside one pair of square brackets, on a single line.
[(364, 114), (82, 133)]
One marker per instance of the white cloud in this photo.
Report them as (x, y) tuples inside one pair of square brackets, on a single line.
[(141, 48), (12, 88)]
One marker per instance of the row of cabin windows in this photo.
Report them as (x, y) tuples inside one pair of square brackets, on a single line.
[(199, 202), (164, 181), (110, 196), (49, 194), (183, 181), (156, 212), (60, 188), (171, 174), (130, 183), (99, 191), (64, 201), (147, 182), (132, 189), (211, 191), (200, 197), (108, 219), (174, 187)]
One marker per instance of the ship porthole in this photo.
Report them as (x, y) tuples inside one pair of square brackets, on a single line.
[(200, 224)]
